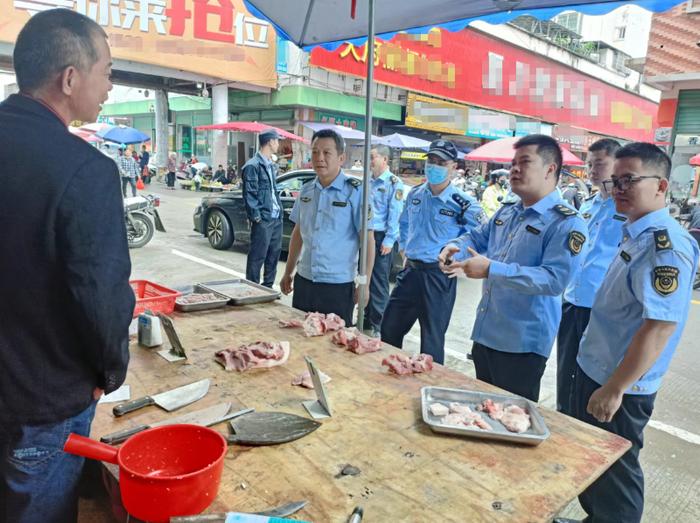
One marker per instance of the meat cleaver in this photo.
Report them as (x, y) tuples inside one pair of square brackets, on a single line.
[(270, 428), (204, 417), (170, 400)]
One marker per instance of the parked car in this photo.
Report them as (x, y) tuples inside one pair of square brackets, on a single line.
[(222, 218)]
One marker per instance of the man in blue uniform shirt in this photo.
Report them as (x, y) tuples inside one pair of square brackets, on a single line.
[(435, 212), (387, 204), (325, 240), (636, 321), (264, 209), (531, 251), (604, 236)]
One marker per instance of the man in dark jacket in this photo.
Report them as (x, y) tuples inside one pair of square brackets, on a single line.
[(64, 265), (264, 209)]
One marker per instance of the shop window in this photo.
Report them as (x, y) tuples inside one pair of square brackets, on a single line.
[(572, 21), (620, 32)]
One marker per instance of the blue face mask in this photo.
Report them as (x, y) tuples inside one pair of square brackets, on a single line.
[(436, 174)]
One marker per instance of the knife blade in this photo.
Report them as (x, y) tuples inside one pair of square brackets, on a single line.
[(205, 417), (283, 510), (278, 512), (169, 400)]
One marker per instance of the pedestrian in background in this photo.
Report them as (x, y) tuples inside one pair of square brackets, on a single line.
[(264, 209), (495, 193), (65, 337), (636, 322), (387, 193), (526, 254), (327, 219), (129, 170), (604, 236), (171, 167), (435, 212), (143, 164)]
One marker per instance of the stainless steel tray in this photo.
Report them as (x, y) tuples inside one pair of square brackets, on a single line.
[(207, 305), (536, 434), (232, 288)]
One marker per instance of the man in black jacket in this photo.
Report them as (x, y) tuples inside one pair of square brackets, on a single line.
[(264, 209), (64, 265)]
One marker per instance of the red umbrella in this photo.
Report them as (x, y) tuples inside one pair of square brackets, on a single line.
[(695, 160), (501, 151), (249, 127), (88, 136)]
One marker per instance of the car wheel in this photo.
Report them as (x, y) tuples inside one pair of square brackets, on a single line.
[(219, 230)]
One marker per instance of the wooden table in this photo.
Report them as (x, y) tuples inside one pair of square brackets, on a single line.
[(408, 472)]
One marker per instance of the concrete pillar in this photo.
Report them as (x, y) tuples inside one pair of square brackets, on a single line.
[(219, 113), (161, 130)]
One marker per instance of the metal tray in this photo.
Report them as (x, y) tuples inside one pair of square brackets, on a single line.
[(207, 305), (229, 288), (536, 434)]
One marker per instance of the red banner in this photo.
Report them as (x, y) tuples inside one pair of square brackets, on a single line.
[(471, 67)]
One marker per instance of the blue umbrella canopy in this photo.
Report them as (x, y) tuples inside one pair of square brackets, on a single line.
[(306, 22), (123, 134)]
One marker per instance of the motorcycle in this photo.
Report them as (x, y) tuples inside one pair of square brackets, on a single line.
[(141, 217)]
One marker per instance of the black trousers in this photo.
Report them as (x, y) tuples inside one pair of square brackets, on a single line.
[(379, 285), (265, 248), (170, 179), (618, 495), (515, 372), (128, 181), (424, 293), (338, 298), (574, 321)]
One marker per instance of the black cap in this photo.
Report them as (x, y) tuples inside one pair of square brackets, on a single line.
[(444, 149), (267, 135)]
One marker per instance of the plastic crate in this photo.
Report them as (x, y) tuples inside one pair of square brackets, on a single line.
[(153, 297)]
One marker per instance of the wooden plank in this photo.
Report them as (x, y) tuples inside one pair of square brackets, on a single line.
[(408, 473)]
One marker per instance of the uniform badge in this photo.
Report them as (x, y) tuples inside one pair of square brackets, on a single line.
[(625, 256), (586, 215), (576, 241), (563, 209), (619, 217), (448, 212), (498, 222), (340, 204), (415, 201), (305, 199), (381, 189), (533, 230), (399, 194), (665, 279), (662, 241)]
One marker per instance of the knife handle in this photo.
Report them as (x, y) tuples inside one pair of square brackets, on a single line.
[(131, 406), (122, 435)]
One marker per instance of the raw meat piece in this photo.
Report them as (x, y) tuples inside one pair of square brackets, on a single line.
[(361, 344), (304, 380), (343, 336), (290, 324), (493, 409), (422, 363), (465, 416), (190, 299), (438, 409), (333, 322), (453, 419), (261, 354), (515, 419), (314, 324), (398, 364), (458, 408)]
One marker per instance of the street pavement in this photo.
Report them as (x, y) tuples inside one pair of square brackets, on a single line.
[(671, 454)]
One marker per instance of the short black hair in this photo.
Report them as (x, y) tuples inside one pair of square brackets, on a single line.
[(649, 154), (330, 133), (51, 41), (608, 145), (547, 148)]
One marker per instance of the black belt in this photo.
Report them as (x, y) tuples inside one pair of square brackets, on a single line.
[(417, 264)]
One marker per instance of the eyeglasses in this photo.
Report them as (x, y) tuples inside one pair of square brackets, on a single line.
[(624, 182)]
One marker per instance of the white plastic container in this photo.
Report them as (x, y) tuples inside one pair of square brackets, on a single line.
[(150, 332)]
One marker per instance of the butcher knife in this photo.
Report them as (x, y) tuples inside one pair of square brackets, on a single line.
[(204, 417), (278, 512), (170, 400)]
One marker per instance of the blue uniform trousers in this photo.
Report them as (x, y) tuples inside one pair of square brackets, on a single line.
[(338, 298), (379, 285), (574, 320), (265, 247), (519, 373), (424, 293), (618, 495)]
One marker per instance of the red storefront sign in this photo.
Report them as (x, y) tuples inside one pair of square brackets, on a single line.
[(471, 67)]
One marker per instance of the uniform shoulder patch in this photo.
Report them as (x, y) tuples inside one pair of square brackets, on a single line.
[(576, 241), (399, 194), (394, 179), (662, 241), (564, 210), (665, 279), (354, 182)]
